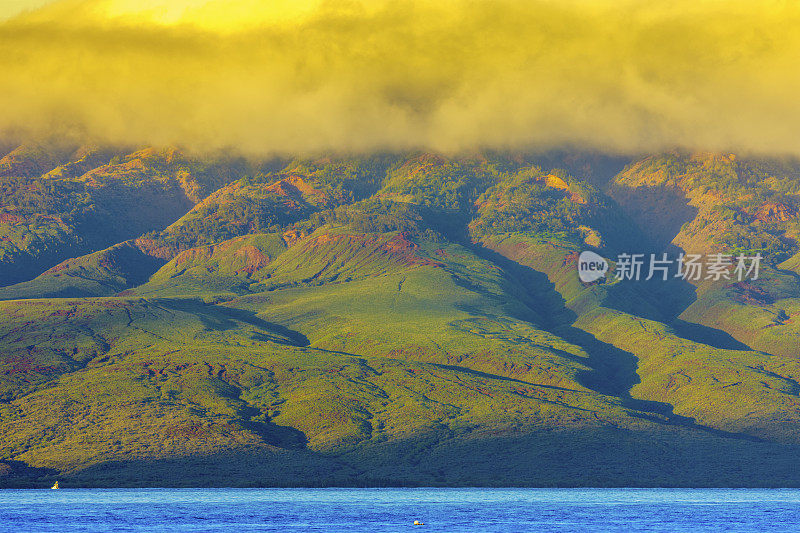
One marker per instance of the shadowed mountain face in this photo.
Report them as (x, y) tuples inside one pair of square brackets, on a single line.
[(405, 319)]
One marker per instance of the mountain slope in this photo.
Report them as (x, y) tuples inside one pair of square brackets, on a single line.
[(735, 206), (405, 319), (50, 212)]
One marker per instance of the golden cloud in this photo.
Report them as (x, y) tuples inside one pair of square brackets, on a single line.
[(299, 76)]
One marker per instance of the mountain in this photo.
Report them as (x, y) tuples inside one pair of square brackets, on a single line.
[(721, 203), (59, 203), (393, 319)]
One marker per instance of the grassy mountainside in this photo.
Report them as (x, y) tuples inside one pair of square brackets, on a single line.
[(54, 208), (739, 205), (401, 319), (102, 273), (721, 203), (274, 201)]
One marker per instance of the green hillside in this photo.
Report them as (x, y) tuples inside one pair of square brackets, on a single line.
[(722, 203), (103, 273), (403, 319), (58, 207)]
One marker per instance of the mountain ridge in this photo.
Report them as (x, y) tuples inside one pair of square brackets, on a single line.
[(362, 319)]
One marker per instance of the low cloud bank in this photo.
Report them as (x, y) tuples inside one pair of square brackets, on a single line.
[(280, 76)]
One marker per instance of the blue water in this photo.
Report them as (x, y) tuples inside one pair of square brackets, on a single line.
[(451, 510)]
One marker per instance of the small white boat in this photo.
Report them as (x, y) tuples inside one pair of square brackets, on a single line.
[(55, 487)]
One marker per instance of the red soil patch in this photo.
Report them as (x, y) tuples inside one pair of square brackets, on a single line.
[(776, 212), (746, 293), (156, 249), (255, 259), (406, 251), (8, 218), (59, 267), (202, 253), (399, 247), (296, 187)]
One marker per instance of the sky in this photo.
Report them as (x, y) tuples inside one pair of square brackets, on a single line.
[(297, 76), (10, 8)]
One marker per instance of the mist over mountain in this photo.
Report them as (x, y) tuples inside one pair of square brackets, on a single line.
[(302, 77)]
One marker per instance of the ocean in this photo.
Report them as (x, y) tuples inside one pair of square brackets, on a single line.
[(375, 510)]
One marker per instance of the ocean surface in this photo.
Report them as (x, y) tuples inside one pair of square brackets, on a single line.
[(451, 510)]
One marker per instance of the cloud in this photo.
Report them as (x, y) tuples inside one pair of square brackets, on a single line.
[(280, 76)]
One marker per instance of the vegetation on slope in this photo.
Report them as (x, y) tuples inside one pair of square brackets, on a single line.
[(403, 319), (68, 211), (723, 203)]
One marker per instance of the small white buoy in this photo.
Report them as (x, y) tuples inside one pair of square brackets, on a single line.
[(418, 523)]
